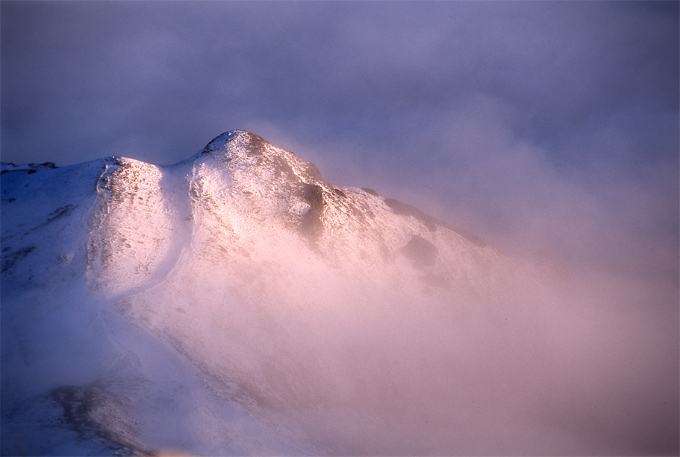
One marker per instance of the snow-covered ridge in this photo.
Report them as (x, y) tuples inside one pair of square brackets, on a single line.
[(241, 188), (216, 305)]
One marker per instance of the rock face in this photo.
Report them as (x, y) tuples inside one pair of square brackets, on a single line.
[(237, 303), (227, 204)]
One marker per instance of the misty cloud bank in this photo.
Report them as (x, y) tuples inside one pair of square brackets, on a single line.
[(549, 130)]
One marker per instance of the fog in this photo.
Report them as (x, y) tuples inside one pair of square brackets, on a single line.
[(570, 365), (349, 352)]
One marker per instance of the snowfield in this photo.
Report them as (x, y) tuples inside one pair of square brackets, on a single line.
[(235, 303)]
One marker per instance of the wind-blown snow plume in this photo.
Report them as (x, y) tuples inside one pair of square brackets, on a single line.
[(236, 303)]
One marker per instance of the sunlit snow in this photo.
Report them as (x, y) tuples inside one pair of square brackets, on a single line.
[(236, 303)]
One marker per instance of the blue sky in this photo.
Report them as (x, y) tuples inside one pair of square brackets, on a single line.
[(542, 126)]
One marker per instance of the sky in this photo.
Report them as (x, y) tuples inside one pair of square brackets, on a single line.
[(546, 128)]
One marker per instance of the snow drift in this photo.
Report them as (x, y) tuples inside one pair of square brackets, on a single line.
[(236, 303)]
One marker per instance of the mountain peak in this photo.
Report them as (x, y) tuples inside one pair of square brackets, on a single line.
[(235, 303), (236, 140), (179, 265), (241, 137), (249, 152)]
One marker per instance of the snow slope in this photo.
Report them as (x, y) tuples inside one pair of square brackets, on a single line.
[(236, 303)]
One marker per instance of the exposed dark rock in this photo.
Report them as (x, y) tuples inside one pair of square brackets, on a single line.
[(405, 209), (256, 144), (339, 192), (312, 224), (8, 260), (59, 213), (420, 251), (282, 167), (46, 165), (435, 281), (430, 222), (96, 415), (313, 172)]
